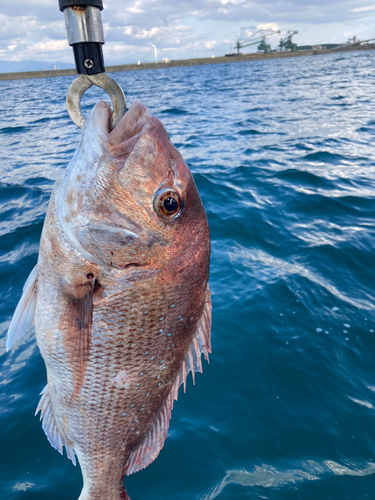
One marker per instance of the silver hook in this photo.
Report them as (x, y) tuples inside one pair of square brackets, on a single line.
[(84, 82)]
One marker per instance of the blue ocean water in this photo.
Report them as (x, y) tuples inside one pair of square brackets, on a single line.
[(283, 155)]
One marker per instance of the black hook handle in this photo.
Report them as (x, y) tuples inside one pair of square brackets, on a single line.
[(85, 34), (63, 4)]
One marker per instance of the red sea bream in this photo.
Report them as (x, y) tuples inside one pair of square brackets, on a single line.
[(119, 298)]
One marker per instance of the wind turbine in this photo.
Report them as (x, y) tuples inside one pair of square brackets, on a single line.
[(155, 51)]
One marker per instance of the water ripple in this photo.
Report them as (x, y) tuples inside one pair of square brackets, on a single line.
[(283, 155)]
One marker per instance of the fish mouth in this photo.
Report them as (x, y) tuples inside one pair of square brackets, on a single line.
[(99, 119), (121, 140), (84, 216), (105, 198)]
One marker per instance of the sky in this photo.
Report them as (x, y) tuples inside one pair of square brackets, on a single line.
[(32, 32)]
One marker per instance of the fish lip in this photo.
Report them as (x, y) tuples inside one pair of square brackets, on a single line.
[(122, 139), (101, 115)]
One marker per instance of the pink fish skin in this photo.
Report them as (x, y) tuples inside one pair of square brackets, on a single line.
[(119, 298)]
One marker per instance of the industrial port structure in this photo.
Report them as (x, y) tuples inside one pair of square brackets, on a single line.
[(259, 38), (287, 44), (315, 50)]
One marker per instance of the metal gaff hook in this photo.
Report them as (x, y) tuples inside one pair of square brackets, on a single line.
[(84, 82)]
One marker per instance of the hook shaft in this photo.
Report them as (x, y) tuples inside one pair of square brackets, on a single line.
[(83, 83)]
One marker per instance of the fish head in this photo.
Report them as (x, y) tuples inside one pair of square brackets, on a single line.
[(128, 199)]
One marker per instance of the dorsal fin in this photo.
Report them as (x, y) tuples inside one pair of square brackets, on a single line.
[(23, 316), (149, 449), (50, 427)]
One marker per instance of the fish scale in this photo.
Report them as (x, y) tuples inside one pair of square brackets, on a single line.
[(119, 297)]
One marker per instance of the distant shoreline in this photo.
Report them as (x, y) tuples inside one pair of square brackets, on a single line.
[(185, 62)]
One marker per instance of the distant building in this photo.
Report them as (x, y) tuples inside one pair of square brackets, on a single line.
[(319, 47)]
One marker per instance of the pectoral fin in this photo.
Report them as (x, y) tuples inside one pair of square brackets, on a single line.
[(23, 316), (76, 322)]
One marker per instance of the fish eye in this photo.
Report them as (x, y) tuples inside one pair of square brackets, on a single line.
[(167, 203)]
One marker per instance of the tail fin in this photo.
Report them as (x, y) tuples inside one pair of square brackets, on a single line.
[(103, 494)]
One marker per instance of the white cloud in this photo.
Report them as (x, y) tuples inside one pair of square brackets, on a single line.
[(51, 46), (198, 13), (364, 9), (147, 34), (268, 26), (234, 2), (109, 49), (134, 10), (128, 30), (183, 28), (210, 45)]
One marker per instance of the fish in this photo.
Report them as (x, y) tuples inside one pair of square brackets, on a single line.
[(119, 298)]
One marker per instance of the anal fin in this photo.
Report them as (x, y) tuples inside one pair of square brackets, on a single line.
[(150, 447), (50, 427), (23, 316)]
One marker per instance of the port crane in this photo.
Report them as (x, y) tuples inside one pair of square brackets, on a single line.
[(259, 37), (286, 42)]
